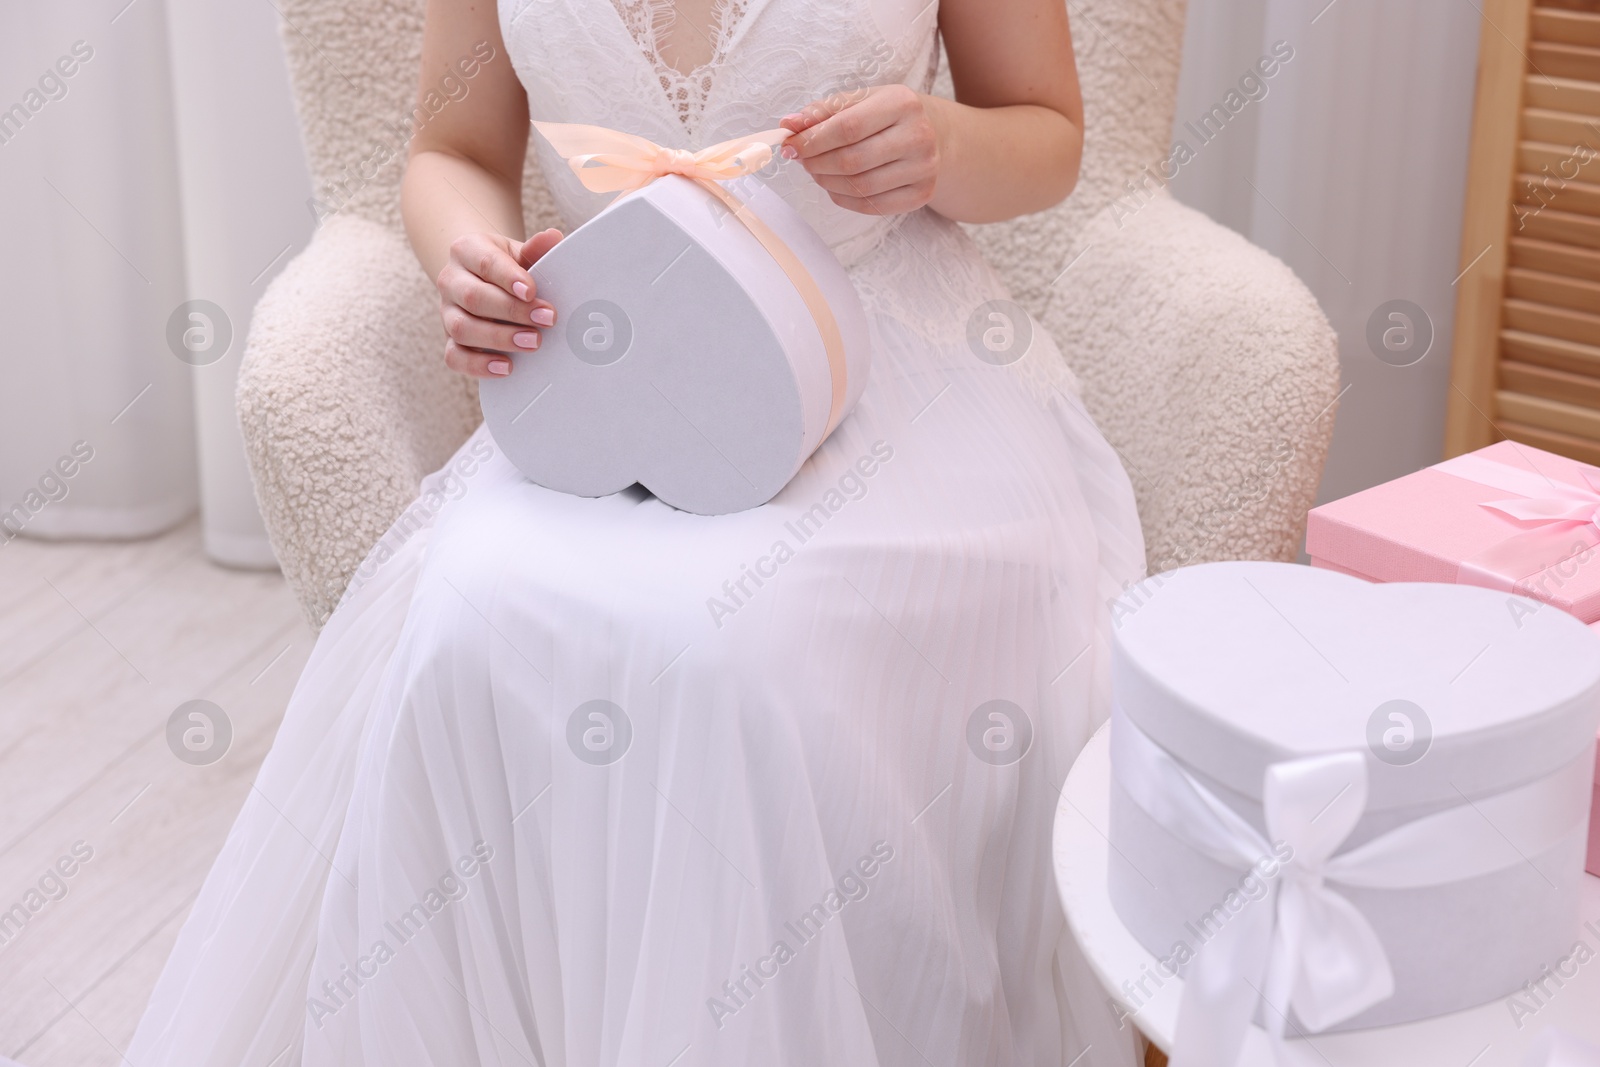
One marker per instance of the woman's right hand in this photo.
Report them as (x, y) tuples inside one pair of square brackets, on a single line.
[(489, 302)]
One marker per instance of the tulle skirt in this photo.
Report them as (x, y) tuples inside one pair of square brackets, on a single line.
[(596, 782)]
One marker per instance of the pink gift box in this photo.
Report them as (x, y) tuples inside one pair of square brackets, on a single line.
[(1592, 864), (1537, 536)]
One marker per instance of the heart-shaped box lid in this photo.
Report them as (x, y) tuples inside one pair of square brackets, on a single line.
[(685, 357), (1234, 666)]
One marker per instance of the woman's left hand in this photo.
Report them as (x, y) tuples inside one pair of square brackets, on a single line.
[(876, 151)]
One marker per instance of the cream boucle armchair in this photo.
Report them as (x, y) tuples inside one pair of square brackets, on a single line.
[(1207, 364)]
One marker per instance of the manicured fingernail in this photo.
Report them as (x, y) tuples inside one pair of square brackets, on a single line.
[(527, 339), (788, 152), (501, 367), (543, 316), (521, 290), (793, 117)]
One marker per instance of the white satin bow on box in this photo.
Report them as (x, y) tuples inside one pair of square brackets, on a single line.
[(1304, 947)]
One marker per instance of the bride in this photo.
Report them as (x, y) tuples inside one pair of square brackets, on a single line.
[(537, 798)]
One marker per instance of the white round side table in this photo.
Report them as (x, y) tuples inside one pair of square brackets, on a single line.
[(1490, 1035)]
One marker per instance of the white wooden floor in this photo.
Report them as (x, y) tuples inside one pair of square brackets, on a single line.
[(99, 644)]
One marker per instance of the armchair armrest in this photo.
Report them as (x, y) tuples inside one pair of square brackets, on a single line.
[(1211, 369), (345, 402)]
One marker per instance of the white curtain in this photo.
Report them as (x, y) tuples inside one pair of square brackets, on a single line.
[(246, 214), (1351, 168), (149, 157), (96, 435)]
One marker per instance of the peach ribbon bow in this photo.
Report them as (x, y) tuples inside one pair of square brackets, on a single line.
[(610, 161)]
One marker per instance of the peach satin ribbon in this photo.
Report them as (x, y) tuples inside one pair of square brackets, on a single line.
[(608, 161)]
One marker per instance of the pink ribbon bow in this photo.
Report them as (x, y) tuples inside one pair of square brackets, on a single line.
[(1561, 503)]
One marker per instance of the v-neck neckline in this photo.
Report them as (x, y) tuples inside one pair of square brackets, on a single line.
[(685, 92)]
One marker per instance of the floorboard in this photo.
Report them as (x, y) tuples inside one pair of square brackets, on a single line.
[(99, 644)]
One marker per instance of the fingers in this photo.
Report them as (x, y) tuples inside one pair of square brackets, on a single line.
[(849, 117), (479, 298), (818, 110), (809, 115), (875, 152), (489, 257), (534, 248), (906, 141), (489, 304), (471, 331), (894, 202), (474, 363), (875, 182)]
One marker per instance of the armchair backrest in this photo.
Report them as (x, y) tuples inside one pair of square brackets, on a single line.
[(353, 66)]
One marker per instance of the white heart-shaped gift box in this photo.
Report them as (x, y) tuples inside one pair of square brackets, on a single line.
[(1231, 668), (683, 358)]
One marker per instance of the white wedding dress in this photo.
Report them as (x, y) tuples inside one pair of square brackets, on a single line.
[(596, 783)]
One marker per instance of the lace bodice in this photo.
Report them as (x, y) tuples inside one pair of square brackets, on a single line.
[(598, 61), (651, 21)]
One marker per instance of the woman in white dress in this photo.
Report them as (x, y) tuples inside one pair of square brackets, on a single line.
[(592, 782)]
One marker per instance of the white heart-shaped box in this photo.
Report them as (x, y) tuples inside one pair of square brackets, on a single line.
[(1231, 667), (683, 357)]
